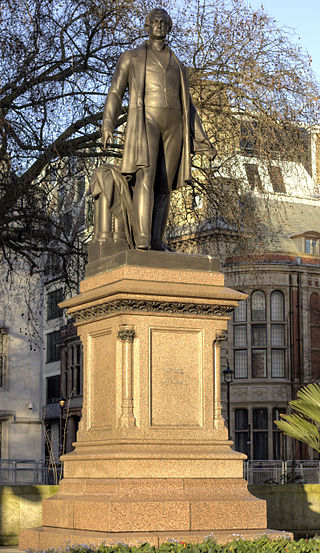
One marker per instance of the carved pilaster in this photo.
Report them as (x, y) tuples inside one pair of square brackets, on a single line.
[(126, 335), (218, 420)]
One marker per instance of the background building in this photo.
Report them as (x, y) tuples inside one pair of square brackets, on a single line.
[(273, 335), (71, 381), (273, 343), (21, 358)]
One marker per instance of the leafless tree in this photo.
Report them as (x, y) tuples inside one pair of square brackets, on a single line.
[(255, 90), (57, 59), (253, 87)]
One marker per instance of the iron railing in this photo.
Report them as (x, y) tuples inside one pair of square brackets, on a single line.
[(282, 472), (29, 472), (32, 472)]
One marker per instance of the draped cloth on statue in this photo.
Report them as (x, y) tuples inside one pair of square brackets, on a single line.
[(108, 180)]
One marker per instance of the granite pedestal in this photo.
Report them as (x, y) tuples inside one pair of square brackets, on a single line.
[(152, 459)]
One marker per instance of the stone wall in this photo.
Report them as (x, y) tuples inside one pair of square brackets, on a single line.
[(294, 507), (21, 507)]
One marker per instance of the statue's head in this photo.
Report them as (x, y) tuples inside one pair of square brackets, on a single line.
[(158, 23)]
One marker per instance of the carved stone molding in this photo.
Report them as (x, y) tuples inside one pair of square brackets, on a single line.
[(101, 310), (221, 336), (126, 334)]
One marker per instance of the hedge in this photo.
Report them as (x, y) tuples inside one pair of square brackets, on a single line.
[(238, 545)]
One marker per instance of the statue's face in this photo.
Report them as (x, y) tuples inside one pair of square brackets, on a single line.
[(158, 26)]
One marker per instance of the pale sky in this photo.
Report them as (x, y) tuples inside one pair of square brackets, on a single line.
[(303, 17)]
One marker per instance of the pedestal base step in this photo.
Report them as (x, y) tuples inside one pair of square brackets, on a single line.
[(43, 538), (154, 506)]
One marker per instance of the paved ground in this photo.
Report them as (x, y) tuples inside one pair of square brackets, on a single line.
[(8, 549)]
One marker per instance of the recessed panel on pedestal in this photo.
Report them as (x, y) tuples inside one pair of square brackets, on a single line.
[(176, 377), (101, 379)]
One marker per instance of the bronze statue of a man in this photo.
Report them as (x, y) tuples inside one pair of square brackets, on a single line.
[(163, 128)]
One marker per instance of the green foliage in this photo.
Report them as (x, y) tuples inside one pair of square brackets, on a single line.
[(305, 423), (238, 545)]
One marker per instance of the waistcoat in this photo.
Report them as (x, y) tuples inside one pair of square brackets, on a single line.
[(162, 83)]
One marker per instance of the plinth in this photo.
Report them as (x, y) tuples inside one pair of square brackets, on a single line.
[(152, 459)]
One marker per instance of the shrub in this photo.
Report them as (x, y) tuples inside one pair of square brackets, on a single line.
[(238, 545)]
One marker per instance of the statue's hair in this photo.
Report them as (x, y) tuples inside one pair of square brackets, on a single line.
[(157, 10)]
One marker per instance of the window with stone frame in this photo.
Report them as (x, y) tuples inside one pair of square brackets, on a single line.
[(259, 363), (241, 430), (276, 177), (278, 437), (277, 334), (311, 246), (53, 389), (75, 369), (52, 349), (258, 306), (240, 354), (53, 298), (260, 434), (259, 336), (253, 176), (72, 369), (256, 435)]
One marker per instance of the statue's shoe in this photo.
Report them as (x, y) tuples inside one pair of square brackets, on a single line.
[(160, 247), (143, 246)]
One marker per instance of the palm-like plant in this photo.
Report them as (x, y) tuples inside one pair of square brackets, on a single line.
[(304, 424)]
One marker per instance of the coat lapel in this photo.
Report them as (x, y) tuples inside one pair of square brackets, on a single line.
[(138, 65)]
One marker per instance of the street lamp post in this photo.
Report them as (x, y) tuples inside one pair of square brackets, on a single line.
[(228, 378), (62, 403)]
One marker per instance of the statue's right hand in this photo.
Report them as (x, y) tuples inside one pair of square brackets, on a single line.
[(107, 138)]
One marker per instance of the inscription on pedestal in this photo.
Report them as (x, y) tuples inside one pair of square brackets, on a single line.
[(176, 378)]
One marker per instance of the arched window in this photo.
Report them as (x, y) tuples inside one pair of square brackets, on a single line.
[(258, 335), (240, 340), (277, 334), (240, 312), (258, 306), (276, 306)]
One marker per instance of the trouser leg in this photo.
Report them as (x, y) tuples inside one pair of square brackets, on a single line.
[(104, 217), (168, 160), (142, 206), (159, 221), (143, 190)]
